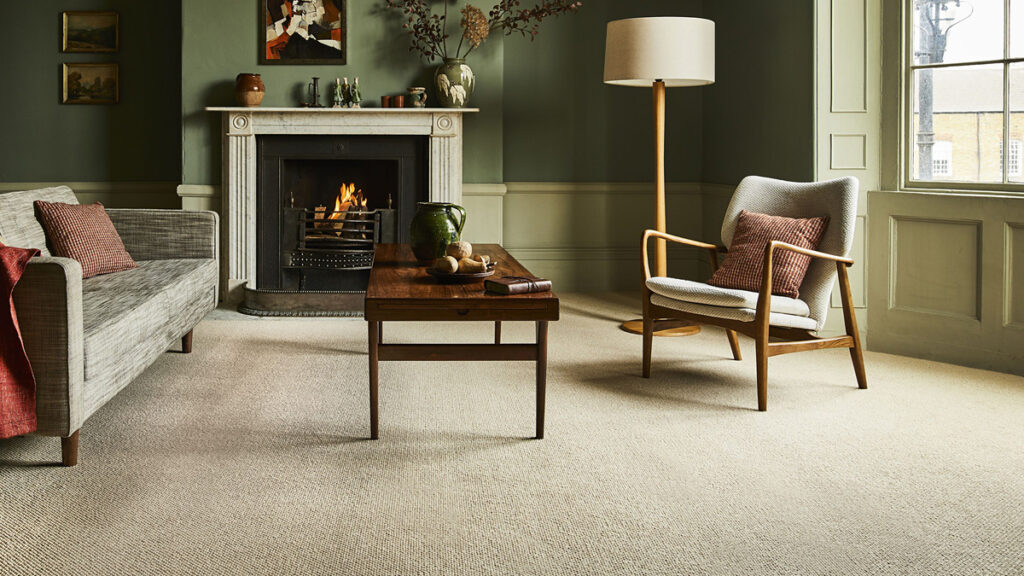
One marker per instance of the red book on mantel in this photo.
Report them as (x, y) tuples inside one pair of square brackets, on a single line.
[(516, 285)]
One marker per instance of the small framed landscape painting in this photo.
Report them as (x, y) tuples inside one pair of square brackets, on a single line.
[(89, 31), (303, 32), (89, 84)]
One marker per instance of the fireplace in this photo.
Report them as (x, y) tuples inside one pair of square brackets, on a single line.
[(440, 128), (323, 202)]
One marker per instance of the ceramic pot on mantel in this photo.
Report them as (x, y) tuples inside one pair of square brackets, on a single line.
[(433, 228), (455, 82), (249, 90)]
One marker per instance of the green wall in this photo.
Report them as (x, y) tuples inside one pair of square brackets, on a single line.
[(135, 140), (759, 114), (562, 123), (220, 40), (546, 115)]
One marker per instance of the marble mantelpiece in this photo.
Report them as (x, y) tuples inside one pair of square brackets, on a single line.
[(241, 126)]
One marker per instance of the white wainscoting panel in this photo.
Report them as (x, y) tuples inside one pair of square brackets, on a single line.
[(1013, 305), (946, 278), (936, 266), (585, 236), (848, 152), (484, 204), (849, 58)]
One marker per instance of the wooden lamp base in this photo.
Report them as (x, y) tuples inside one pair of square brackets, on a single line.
[(663, 328)]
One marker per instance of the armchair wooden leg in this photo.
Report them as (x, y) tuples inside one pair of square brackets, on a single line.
[(761, 344), (648, 341), (186, 343), (734, 343), (850, 319), (69, 450)]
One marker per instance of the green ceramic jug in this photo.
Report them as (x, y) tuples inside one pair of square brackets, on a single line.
[(433, 228)]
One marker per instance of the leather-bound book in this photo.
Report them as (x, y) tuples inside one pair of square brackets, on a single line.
[(516, 285)]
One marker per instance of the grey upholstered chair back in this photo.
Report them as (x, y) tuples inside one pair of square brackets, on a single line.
[(836, 199), (18, 224)]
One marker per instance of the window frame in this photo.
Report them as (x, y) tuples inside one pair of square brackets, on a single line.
[(908, 94)]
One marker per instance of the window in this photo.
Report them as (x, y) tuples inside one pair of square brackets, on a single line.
[(942, 159), (965, 93)]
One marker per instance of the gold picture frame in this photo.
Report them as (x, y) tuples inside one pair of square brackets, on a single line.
[(90, 83), (90, 31)]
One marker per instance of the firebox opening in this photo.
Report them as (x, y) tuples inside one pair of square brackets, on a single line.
[(325, 201), (314, 183)]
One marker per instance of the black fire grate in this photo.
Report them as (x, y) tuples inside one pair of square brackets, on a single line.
[(333, 240)]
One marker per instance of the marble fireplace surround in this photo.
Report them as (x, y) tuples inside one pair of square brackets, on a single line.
[(241, 127)]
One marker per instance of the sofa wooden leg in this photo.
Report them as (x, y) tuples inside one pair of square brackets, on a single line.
[(69, 450), (186, 343)]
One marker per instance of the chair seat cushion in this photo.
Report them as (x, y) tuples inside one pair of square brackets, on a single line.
[(740, 314), (743, 266), (700, 293)]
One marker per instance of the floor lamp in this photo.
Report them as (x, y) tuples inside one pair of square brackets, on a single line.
[(660, 52)]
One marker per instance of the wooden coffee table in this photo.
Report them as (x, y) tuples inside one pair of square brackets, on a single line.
[(400, 290)]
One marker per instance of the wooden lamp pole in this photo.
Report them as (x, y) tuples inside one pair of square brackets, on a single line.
[(661, 327), (660, 257)]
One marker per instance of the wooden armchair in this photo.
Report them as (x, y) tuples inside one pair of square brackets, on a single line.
[(778, 325)]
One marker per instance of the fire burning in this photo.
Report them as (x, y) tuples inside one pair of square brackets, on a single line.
[(349, 198)]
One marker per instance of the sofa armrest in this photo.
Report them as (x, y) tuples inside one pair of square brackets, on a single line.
[(48, 300), (165, 234)]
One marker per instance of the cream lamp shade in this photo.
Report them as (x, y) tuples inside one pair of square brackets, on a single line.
[(677, 51)]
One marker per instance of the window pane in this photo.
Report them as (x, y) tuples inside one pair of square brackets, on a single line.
[(1016, 28), (957, 129), (1016, 121), (947, 32)]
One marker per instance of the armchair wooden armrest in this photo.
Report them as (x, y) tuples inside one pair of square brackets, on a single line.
[(764, 297), (648, 234), (806, 252)]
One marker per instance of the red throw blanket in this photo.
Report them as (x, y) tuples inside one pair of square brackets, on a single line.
[(17, 383)]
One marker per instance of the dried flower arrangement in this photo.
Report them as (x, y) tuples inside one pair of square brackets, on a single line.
[(429, 31)]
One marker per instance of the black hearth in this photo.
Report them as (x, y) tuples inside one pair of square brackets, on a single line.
[(322, 204)]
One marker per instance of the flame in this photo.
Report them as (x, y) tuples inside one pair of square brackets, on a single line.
[(348, 199)]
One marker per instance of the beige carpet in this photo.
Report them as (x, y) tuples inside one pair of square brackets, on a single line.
[(249, 457)]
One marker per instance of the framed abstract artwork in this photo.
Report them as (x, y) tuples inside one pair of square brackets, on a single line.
[(89, 83), (303, 32), (89, 31)]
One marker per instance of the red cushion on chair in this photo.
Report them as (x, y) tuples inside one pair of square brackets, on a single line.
[(84, 232), (744, 264)]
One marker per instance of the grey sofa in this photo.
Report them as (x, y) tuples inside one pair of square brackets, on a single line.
[(87, 339)]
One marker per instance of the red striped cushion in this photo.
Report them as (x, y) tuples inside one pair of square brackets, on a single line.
[(84, 232), (743, 265)]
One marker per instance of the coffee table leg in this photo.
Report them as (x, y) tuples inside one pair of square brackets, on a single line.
[(374, 332), (497, 332), (542, 373)]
